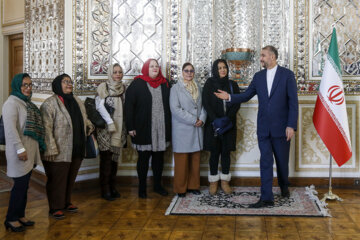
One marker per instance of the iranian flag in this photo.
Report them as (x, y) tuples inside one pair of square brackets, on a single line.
[(330, 117)]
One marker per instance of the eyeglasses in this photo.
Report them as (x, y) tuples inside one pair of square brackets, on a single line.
[(67, 82), (27, 85), (189, 71)]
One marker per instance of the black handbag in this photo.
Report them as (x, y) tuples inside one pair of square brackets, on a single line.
[(92, 148), (109, 108), (93, 115), (2, 132), (223, 124)]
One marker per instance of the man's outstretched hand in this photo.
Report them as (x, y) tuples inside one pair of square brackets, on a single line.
[(222, 94)]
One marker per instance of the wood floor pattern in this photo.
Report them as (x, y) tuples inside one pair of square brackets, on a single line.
[(132, 218)]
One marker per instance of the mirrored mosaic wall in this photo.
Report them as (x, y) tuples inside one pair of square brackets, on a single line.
[(346, 20), (127, 32), (227, 24), (137, 30), (175, 31), (276, 29), (313, 24), (44, 42), (100, 37), (197, 37), (234, 22)]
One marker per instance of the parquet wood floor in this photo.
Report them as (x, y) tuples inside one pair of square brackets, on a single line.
[(132, 218)]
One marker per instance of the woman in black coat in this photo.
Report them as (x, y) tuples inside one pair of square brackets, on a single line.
[(148, 121), (217, 108)]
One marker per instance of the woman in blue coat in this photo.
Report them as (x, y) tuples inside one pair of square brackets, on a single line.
[(187, 118)]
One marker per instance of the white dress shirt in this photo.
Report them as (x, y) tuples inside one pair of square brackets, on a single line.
[(270, 75)]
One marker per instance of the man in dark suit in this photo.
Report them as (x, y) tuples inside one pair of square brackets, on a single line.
[(276, 91)]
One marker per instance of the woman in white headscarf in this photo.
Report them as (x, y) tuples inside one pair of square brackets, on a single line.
[(188, 117), (109, 103)]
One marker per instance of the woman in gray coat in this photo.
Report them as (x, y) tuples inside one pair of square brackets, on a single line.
[(24, 135), (188, 118)]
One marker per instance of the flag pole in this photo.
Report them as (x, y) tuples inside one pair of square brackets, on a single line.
[(329, 195)]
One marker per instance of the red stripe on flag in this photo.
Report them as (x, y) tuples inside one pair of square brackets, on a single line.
[(330, 134)]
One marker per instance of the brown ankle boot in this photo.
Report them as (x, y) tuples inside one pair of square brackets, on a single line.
[(213, 188), (226, 187)]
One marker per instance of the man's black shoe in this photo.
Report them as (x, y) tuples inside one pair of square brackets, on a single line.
[(261, 204), (285, 193)]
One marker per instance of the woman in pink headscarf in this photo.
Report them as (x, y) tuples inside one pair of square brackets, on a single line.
[(148, 121)]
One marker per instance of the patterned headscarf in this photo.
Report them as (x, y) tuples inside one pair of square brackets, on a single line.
[(191, 86), (16, 84), (34, 127)]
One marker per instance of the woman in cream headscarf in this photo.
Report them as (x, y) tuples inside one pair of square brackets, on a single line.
[(188, 117), (109, 103)]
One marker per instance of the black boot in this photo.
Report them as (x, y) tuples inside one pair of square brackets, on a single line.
[(142, 168), (157, 165), (113, 191), (142, 188), (105, 171)]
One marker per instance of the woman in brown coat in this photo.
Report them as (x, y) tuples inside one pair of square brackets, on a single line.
[(66, 126)]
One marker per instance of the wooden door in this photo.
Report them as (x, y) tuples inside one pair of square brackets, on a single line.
[(15, 56), (15, 67)]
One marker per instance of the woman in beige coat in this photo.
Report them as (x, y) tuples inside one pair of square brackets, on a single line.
[(24, 135), (66, 127)]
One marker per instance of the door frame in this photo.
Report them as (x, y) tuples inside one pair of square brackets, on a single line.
[(11, 55)]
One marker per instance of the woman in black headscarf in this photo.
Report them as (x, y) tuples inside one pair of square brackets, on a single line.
[(66, 125), (219, 145)]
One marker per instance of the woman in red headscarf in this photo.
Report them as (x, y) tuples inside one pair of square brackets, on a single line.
[(148, 121)]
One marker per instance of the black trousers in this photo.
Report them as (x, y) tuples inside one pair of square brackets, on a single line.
[(18, 198), (157, 165), (219, 149)]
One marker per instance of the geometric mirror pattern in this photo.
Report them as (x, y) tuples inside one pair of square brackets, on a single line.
[(137, 29), (342, 14), (346, 20), (44, 42), (100, 37)]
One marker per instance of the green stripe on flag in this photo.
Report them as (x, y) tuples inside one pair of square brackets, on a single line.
[(333, 54)]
